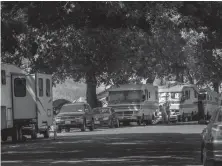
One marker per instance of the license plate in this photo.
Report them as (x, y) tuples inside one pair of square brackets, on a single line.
[(67, 122), (97, 122)]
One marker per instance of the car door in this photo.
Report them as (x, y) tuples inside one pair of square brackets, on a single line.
[(207, 135)]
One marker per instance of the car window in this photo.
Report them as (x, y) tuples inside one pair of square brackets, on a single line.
[(87, 108), (219, 116), (213, 117), (112, 110)]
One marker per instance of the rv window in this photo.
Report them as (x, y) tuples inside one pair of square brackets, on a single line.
[(40, 87), (146, 93), (156, 95), (20, 87), (195, 94), (208, 97), (173, 95), (3, 77), (48, 88), (187, 94)]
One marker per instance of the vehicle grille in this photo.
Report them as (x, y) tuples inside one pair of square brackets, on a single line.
[(126, 107), (68, 117), (128, 112)]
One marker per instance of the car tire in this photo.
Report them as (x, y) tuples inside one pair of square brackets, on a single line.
[(139, 122), (67, 130), (34, 134), (59, 130), (83, 128), (92, 127), (117, 123)]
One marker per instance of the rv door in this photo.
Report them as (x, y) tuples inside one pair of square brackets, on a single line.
[(44, 100), (23, 93)]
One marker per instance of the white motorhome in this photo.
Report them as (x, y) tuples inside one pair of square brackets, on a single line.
[(183, 99), (26, 103), (134, 103), (210, 100)]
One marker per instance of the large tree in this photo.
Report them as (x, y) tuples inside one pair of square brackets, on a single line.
[(205, 17)]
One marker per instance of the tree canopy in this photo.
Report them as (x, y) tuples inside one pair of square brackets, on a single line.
[(110, 42)]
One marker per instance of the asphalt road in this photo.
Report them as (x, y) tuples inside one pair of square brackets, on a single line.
[(136, 146)]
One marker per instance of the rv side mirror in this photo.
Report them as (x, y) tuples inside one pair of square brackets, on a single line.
[(144, 97)]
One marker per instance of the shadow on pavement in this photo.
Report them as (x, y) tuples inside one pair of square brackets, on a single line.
[(118, 149)]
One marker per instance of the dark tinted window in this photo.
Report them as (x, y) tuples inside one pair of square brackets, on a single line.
[(3, 75), (219, 117), (40, 87), (173, 95), (48, 91), (20, 87)]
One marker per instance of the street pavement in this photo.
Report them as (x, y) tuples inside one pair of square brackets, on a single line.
[(128, 146)]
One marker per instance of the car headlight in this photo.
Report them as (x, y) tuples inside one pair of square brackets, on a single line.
[(106, 118), (58, 119)]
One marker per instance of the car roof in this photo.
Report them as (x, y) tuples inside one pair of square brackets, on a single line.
[(101, 107), (77, 103)]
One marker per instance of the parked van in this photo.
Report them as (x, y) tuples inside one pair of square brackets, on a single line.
[(26, 103)]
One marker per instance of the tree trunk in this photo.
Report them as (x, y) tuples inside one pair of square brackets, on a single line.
[(216, 86), (190, 77), (91, 84)]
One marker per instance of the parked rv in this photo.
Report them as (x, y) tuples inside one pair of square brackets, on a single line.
[(210, 100), (26, 103), (134, 102), (183, 100)]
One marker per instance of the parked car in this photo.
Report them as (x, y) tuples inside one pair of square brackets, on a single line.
[(105, 117), (211, 146), (174, 115), (75, 115)]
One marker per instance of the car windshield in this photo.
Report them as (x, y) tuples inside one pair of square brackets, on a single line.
[(125, 96), (72, 108), (101, 110)]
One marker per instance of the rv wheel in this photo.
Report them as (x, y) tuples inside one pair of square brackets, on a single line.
[(17, 134), (34, 135), (46, 133), (4, 137)]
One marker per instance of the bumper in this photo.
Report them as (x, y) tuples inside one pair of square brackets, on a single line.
[(214, 151), (128, 119), (214, 155), (102, 122), (72, 125), (173, 119)]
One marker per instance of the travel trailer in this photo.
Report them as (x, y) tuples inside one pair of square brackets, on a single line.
[(183, 99), (134, 102), (210, 100), (26, 103)]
